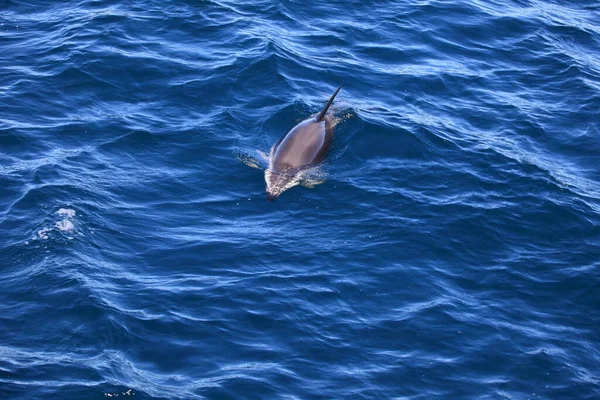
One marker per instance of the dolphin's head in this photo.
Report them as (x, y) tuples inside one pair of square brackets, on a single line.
[(279, 182)]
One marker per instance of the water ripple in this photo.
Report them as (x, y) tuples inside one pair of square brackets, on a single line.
[(450, 252)]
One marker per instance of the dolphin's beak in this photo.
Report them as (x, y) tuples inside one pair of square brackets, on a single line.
[(271, 197)]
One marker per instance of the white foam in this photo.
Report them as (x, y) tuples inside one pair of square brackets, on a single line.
[(43, 233), (65, 225), (67, 212)]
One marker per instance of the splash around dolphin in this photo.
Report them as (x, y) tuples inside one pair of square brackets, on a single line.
[(294, 156)]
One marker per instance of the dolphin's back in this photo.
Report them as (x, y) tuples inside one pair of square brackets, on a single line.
[(306, 144)]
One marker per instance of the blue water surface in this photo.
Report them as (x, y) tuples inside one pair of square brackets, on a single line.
[(452, 252)]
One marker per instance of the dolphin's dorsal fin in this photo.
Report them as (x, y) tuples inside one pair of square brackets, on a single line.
[(321, 115)]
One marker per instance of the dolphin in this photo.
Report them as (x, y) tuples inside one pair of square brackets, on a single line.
[(302, 148)]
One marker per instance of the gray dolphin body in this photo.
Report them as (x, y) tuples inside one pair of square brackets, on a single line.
[(305, 146)]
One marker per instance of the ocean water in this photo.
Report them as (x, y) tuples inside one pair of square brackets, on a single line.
[(452, 251)]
